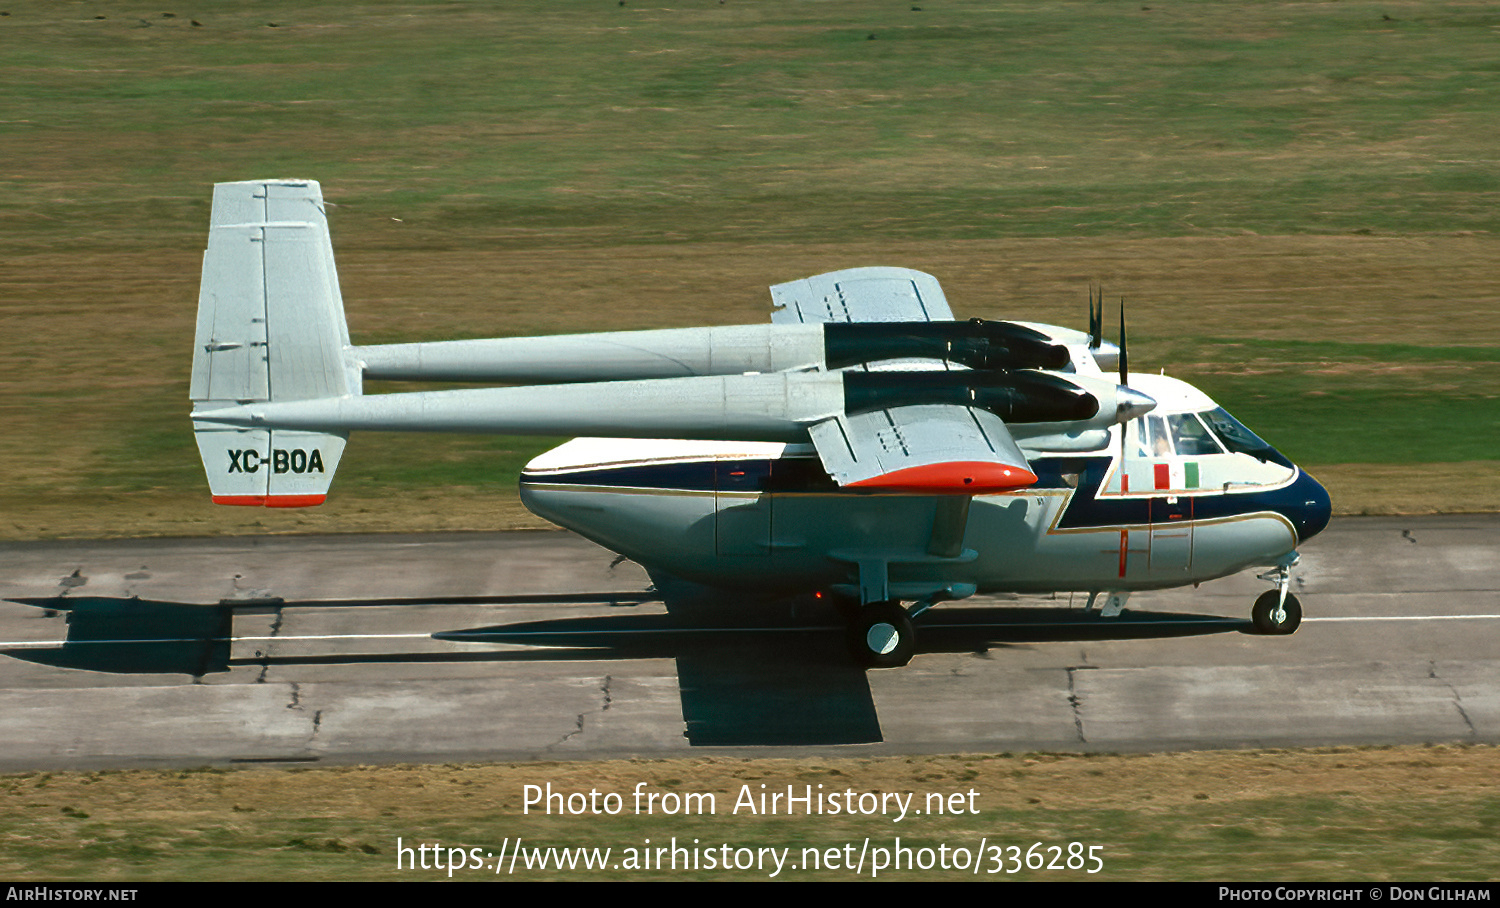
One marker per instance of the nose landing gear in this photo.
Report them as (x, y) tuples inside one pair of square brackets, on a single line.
[(1278, 611)]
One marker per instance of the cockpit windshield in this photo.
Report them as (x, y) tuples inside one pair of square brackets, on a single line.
[(1193, 440), (1235, 436), (1196, 435), (1177, 434)]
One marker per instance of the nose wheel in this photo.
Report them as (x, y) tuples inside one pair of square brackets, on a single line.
[(1273, 615), (881, 635), (1278, 611)]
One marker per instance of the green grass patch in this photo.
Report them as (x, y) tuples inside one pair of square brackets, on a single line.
[(546, 122), (1325, 428), (1337, 351), (1324, 402), (490, 464)]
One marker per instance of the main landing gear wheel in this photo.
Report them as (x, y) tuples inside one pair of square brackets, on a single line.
[(882, 636), (1272, 616)]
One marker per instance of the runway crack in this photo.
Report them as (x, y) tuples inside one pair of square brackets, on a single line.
[(579, 721), (238, 593), (577, 730), (265, 655), (1076, 701), (1458, 701), (72, 582)]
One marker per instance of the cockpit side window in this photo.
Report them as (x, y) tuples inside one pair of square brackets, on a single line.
[(1193, 440), (1151, 437)]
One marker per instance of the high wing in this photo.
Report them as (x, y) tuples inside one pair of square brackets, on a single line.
[(861, 295), (917, 448), (922, 448)]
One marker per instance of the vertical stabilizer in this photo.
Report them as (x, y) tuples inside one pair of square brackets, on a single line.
[(270, 328)]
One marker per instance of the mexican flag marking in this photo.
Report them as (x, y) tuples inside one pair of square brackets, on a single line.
[(1177, 475)]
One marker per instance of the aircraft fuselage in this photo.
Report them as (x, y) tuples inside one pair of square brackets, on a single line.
[(767, 517)]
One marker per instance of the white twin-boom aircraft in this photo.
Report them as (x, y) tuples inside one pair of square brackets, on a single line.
[(863, 445)]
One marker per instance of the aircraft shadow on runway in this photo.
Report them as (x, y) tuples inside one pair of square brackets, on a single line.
[(775, 673), (136, 636)]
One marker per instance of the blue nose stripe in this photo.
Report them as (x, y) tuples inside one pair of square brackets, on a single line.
[(1310, 507)]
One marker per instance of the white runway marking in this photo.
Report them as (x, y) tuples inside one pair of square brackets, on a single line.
[(1407, 618)]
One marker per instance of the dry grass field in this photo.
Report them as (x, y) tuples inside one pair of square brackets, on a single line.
[(1346, 814), (98, 444)]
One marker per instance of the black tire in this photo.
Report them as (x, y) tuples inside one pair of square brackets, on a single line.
[(881, 636), (1264, 614)]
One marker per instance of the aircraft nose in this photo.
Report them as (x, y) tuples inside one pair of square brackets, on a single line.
[(1314, 507)]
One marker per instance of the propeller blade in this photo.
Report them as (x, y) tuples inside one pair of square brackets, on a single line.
[(1124, 361), (1096, 319)]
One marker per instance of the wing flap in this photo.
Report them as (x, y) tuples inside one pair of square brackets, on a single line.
[(931, 449)]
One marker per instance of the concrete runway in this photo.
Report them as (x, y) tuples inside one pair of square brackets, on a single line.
[(534, 646)]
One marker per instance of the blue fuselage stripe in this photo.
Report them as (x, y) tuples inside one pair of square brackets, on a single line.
[(805, 475)]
